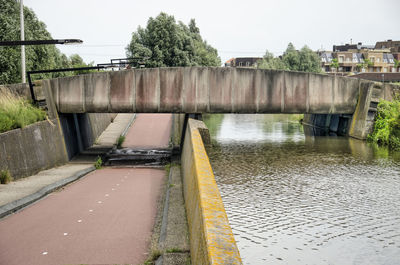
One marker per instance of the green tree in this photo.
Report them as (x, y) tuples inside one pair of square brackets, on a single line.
[(271, 62), (396, 64), (309, 61), (38, 57), (304, 60), (364, 64), (291, 58), (167, 43), (335, 64)]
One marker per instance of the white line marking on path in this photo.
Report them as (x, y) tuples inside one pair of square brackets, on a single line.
[(79, 221), (90, 210), (65, 234), (45, 253), (99, 202)]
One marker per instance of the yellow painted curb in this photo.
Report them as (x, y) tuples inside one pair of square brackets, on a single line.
[(211, 237)]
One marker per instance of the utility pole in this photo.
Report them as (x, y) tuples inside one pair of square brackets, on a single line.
[(22, 39)]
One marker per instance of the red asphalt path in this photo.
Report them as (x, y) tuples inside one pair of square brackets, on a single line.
[(149, 131), (106, 217)]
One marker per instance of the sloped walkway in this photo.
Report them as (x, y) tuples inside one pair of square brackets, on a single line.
[(106, 217)]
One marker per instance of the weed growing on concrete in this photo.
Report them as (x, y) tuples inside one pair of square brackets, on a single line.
[(98, 163), (120, 141), (16, 112), (387, 124), (5, 177)]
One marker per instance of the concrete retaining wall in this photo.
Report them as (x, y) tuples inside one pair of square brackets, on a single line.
[(211, 238), (43, 145), (26, 151)]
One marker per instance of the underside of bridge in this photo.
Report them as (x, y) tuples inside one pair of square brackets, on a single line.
[(204, 90)]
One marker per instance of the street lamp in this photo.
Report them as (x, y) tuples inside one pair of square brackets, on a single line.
[(40, 42), (22, 43)]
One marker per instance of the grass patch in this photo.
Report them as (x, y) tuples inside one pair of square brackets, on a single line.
[(174, 250), (5, 177), (16, 112), (99, 162), (120, 141), (387, 125)]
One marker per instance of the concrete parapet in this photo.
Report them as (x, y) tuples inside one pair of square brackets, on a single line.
[(205, 89), (211, 238)]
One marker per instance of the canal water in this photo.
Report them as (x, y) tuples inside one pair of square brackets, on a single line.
[(295, 198)]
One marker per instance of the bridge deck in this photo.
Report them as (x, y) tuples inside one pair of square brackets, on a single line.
[(205, 90)]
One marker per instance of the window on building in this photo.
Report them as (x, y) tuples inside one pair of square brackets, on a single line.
[(384, 69), (240, 64), (247, 64), (378, 60), (372, 59), (341, 59)]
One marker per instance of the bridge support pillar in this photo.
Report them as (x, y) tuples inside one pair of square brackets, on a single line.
[(363, 118)]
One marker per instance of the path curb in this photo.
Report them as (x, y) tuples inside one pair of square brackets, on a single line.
[(14, 206)]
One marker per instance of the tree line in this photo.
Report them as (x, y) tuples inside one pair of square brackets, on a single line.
[(304, 60), (164, 42), (38, 57)]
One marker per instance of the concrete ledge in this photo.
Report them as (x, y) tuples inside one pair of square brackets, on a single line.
[(21, 203), (211, 237)]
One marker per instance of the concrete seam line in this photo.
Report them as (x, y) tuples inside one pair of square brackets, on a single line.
[(129, 125), (29, 199), (163, 232)]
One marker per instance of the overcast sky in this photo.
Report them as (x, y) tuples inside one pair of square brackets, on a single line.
[(234, 28)]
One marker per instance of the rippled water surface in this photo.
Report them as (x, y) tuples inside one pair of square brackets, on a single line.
[(297, 199)]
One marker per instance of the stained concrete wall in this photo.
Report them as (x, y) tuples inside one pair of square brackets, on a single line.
[(26, 151), (205, 89), (363, 118), (42, 145), (211, 238)]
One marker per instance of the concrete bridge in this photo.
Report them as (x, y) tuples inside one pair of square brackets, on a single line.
[(205, 90)]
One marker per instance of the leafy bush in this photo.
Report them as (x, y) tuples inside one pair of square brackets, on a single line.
[(5, 177), (15, 112), (387, 124)]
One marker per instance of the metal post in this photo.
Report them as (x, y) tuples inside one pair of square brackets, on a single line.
[(22, 39)]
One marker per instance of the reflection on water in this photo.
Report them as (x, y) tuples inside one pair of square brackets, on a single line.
[(296, 199)]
